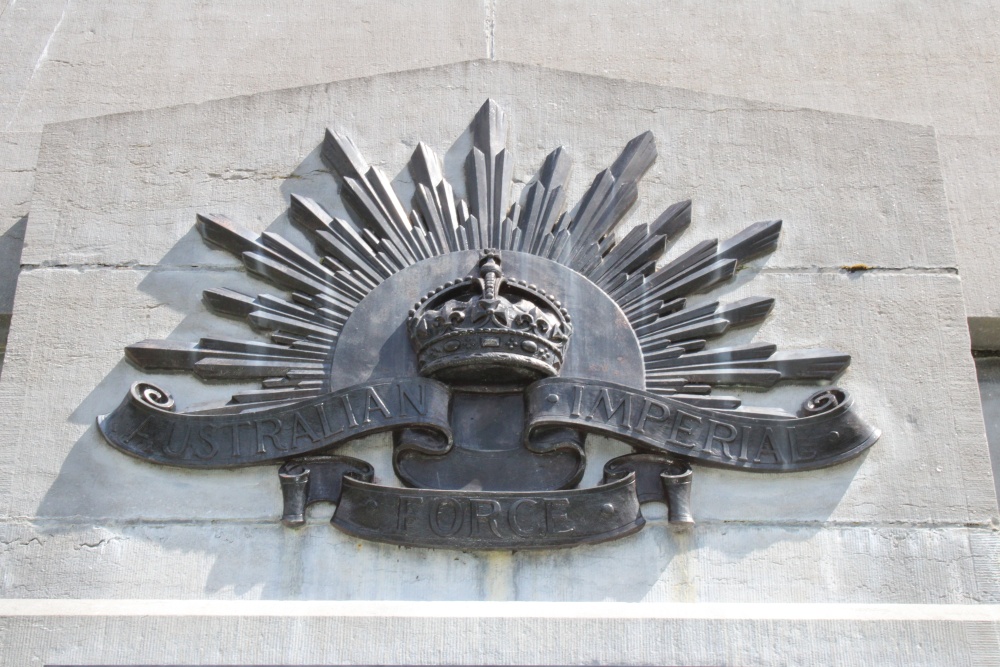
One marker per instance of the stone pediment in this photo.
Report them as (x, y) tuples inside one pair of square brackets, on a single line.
[(113, 259)]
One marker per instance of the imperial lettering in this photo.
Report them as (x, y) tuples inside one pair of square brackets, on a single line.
[(681, 428), (684, 424), (620, 410)]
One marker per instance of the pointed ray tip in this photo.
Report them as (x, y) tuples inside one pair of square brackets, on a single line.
[(340, 153), (647, 138), (424, 165), (213, 218), (225, 233), (490, 103), (638, 155), (490, 113), (771, 226)]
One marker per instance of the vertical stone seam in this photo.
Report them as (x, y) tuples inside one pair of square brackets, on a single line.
[(491, 29)]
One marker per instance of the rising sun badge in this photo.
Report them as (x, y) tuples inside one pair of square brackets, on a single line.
[(489, 337)]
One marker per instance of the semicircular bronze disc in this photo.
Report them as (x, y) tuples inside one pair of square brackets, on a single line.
[(489, 453)]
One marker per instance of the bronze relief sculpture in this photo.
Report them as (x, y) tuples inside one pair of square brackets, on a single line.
[(489, 338)]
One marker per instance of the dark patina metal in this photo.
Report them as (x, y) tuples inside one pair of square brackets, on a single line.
[(314, 479), (489, 338)]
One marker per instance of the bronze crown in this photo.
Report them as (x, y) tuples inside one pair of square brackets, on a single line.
[(486, 329)]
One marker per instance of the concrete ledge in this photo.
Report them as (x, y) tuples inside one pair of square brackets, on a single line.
[(170, 632), (715, 562), (802, 611)]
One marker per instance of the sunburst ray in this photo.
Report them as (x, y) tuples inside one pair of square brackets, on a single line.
[(383, 237)]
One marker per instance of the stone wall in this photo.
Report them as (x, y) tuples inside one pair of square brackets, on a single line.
[(111, 258), (869, 127), (923, 63)]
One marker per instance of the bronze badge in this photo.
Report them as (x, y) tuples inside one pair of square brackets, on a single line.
[(489, 339)]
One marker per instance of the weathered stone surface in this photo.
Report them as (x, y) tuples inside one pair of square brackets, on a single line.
[(74, 60), (911, 522), (271, 632), (988, 371), (113, 259), (17, 172), (971, 167), (842, 203), (717, 562), (932, 64), (115, 191)]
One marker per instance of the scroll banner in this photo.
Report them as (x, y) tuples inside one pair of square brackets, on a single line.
[(488, 520), (828, 432), (144, 425), (471, 519), (668, 432)]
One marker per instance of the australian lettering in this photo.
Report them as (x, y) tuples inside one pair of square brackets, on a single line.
[(225, 440), (725, 438), (648, 421)]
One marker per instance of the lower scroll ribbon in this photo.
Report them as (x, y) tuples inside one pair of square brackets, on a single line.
[(487, 519)]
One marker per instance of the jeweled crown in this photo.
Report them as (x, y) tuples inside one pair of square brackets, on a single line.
[(488, 329)]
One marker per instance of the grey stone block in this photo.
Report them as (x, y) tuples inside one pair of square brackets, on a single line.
[(114, 260), (74, 60), (716, 562), (933, 64), (911, 522), (843, 202), (19, 150), (971, 171), (272, 632), (928, 64)]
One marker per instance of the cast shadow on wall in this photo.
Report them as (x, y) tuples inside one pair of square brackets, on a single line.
[(231, 517)]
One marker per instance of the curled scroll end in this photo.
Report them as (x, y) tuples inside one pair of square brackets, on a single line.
[(421, 441), (294, 478), (658, 478), (150, 395), (823, 401), (558, 440), (550, 440), (676, 481), (123, 426), (851, 437), (313, 479)]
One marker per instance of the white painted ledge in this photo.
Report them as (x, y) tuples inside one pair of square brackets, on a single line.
[(553, 610)]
